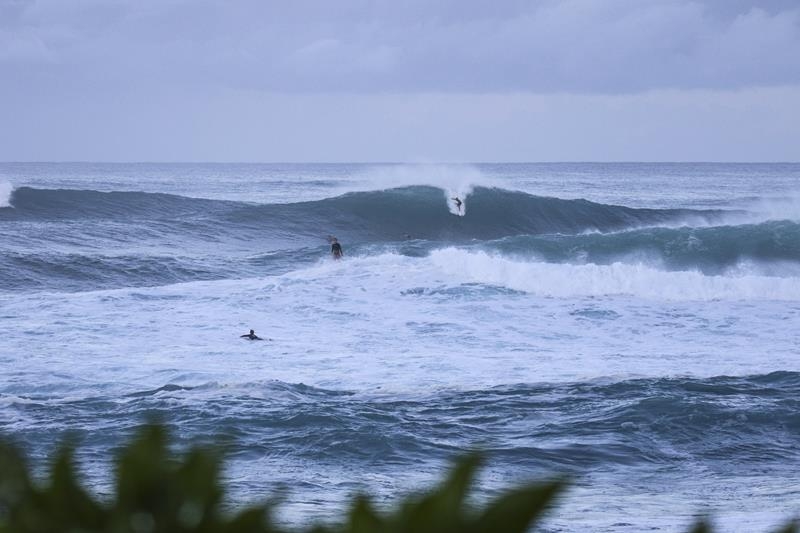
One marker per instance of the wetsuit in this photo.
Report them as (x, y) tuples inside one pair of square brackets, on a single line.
[(336, 250)]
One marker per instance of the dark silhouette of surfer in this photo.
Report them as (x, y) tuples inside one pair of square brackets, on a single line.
[(251, 336), (458, 202), (336, 248)]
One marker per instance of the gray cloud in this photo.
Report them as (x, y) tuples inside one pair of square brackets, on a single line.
[(588, 46), (163, 125), (369, 80)]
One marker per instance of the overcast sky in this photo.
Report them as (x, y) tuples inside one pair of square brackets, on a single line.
[(410, 80)]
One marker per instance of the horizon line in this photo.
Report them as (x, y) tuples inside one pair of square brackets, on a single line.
[(417, 163)]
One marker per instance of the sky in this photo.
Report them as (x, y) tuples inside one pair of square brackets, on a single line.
[(408, 81)]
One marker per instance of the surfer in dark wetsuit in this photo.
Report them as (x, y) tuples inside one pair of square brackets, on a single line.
[(336, 249), (458, 202), (251, 336)]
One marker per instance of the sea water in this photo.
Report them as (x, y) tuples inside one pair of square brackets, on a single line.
[(635, 327)]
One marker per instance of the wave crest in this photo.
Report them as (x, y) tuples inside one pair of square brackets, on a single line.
[(640, 280)]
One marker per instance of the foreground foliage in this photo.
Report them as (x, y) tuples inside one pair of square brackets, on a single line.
[(156, 493)]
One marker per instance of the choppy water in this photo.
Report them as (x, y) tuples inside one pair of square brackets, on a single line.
[(635, 326)]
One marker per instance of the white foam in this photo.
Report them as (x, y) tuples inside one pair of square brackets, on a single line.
[(565, 281), (454, 180), (387, 324), (455, 266), (5, 193), (785, 208)]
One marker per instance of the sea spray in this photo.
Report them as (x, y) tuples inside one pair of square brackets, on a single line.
[(786, 207), (456, 181), (5, 194)]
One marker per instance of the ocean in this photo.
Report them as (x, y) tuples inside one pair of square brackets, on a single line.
[(633, 326)]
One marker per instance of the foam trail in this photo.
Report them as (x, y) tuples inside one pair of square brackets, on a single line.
[(5, 193), (566, 280)]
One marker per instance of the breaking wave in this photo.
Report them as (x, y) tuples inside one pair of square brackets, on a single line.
[(416, 212), (507, 238)]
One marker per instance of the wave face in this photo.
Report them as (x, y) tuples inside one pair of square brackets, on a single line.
[(220, 239), (419, 212)]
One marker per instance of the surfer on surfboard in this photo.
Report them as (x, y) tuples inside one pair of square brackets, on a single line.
[(458, 202)]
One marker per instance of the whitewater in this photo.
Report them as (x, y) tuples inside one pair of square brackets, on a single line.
[(635, 327)]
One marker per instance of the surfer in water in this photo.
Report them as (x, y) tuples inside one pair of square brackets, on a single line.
[(336, 248), (251, 336), (458, 202)]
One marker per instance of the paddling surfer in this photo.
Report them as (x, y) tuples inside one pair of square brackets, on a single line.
[(251, 336)]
